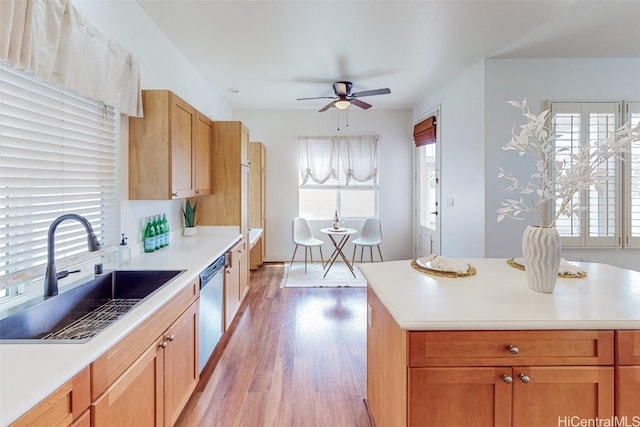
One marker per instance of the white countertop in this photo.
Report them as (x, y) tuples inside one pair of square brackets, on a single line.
[(30, 372), (498, 298)]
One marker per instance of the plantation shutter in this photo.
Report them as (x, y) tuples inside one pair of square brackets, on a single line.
[(58, 155), (589, 123), (632, 181)]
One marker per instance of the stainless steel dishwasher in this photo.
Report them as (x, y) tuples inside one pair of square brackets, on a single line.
[(211, 309)]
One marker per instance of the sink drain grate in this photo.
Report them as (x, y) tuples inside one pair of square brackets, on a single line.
[(95, 321)]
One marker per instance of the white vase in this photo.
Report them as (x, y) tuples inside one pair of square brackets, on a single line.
[(541, 257), (189, 231)]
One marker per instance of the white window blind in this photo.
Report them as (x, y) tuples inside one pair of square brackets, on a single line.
[(58, 155), (632, 181), (598, 220)]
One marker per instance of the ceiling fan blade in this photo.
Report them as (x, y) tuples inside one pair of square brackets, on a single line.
[(317, 97), (326, 107), (384, 91), (360, 104)]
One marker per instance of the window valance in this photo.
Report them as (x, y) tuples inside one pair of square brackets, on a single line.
[(55, 42), (338, 160), (425, 132)]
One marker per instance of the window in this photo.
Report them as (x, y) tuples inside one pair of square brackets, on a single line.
[(58, 155), (338, 173), (632, 181), (602, 212)]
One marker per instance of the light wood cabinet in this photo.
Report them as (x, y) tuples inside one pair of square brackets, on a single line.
[(257, 190), (627, 374), (486, 378), (65, 406), (229, 203), (162, 148), (203, 157), (156, 387), (236, 282), (147, 377), (136, 397), (180, 371)]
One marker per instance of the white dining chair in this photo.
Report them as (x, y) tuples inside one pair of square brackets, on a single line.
[(370, 235), (303, 236)]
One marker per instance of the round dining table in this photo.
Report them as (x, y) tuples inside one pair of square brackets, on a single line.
[(339, 237)]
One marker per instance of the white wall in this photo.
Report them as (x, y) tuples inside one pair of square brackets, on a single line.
[(461, 129), (279, 129), (162, 66), (538, 81)]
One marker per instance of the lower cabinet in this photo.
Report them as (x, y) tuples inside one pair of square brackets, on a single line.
[(628, 375), (522, 378), (68, 405), (136, 397), (156, 387), (236, 281), (497, 396)]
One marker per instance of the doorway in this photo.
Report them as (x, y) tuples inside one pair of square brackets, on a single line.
[(427, 199)]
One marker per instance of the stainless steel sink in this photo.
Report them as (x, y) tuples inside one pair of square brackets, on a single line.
[(79, 314)]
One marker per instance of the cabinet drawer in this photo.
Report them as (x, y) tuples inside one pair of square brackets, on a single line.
[(108, 367), (510, 348), (61, 407), (628, 347)]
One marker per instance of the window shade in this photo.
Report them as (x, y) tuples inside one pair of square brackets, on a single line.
[(338, 161), (632, 180), (576, 124), (425, 132), (58, 155)]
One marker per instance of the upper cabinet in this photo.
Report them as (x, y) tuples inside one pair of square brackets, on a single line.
[(229, 204), (165, 146), (204, 139)]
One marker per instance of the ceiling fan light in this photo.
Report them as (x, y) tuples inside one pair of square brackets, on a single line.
[(342, 104)]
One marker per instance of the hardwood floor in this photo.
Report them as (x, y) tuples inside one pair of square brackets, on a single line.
[(295, 357)]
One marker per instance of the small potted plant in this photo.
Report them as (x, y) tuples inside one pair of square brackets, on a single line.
[(189, 213)]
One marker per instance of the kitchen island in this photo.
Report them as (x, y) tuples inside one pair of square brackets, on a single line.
[(30, 372), (487, 350)]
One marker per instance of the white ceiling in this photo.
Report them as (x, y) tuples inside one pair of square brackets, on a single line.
[(276, 51)]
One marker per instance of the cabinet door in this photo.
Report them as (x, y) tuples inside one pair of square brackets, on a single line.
[(204, 135), (134, 399), (232, 286), (181, 372), (542, 396), (182, 142), (627, 392), (244, 145), (459, 397), (244, 269)]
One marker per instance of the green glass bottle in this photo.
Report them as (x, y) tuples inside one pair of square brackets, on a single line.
[(165, 229), (149, 236), (156, 228)]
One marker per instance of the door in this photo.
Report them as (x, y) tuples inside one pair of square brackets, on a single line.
[(427, 200), (135, 398), (545, 396), (627, 391), (181, 373), (183, 153), (460, 397)]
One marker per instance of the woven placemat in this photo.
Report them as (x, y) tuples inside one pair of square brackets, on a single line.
[(581, 275), (470, 272)]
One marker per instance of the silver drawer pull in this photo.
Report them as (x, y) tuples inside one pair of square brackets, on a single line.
[(164, 344), (525, 378), (507, 379), (171, 337), (514, 349)]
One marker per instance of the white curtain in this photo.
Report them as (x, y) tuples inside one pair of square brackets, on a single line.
[(338, 160), (52, 39), (359, 158)]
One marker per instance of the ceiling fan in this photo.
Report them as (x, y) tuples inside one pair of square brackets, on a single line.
[(344, 98)]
